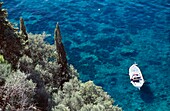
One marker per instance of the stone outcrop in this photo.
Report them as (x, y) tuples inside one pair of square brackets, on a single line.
[(3, 12), (23, 31), (10, 44), (13, 45)]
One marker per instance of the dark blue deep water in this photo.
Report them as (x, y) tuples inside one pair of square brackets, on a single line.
[(103, 38)]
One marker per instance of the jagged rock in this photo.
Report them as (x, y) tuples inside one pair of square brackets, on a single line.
[(10, 44), (23, 30), (3, 12), (1, 4)]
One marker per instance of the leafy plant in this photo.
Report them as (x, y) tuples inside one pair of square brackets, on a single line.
[(2, 60), (17, 92), (78, 96)]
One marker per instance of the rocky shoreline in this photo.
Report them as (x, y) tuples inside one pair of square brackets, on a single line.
[(37, 77)]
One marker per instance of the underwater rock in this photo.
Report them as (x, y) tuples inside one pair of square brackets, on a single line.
[(128, 52), (127, 40), (154, 62), (108, 30), (120, 31)]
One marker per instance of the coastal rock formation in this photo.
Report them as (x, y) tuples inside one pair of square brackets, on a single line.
[(17, 48), (23, 31), (42, 76), (10, 44)]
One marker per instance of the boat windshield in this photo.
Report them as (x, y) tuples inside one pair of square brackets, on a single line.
[(135, 80)]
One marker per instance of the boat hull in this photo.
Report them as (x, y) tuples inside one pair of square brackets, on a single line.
[(136, 77)]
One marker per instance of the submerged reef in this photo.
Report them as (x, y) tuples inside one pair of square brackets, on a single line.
[(35, 76)]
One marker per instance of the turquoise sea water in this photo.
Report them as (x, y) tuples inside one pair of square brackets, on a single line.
[(103, 38)]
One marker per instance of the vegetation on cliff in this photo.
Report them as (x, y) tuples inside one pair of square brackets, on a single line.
[(35, 75)]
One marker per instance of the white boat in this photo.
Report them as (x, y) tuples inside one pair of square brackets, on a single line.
[(136, 76)]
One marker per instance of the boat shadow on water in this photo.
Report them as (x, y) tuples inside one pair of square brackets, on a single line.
[(146, 94)]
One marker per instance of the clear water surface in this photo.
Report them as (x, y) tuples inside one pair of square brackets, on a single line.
[(103, 38)]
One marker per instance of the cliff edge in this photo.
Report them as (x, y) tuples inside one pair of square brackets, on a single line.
[(37, 76)]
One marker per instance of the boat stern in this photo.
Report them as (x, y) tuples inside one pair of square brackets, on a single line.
[(137, 85)]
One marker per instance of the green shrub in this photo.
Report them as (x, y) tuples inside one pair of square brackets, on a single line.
[(39, 50), (17, 92), (78, 96), (5, 70), (2, 60)]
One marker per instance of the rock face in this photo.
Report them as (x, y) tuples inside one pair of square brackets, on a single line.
[(10, 44), (13, 45), (15, 49), (23, 30)]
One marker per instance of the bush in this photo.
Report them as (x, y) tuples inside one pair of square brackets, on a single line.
[(77, 96), (39, 50), (17, 92), (2, 60)]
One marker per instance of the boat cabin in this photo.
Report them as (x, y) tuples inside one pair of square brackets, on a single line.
[(135, 78)]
